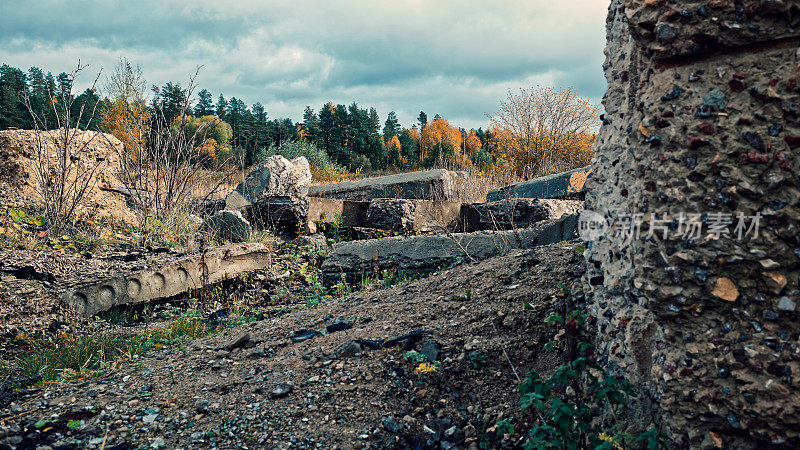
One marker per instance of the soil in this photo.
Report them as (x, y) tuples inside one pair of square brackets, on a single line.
[(478, 327)]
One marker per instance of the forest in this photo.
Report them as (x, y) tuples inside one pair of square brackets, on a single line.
[(337, 139)]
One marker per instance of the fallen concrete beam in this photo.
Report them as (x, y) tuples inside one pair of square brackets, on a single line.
[(515, 213), (172, 279), (353, 261), (551, 186), (439, 185)]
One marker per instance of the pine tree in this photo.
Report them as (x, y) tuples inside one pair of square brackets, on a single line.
[(205, 104), (422, 119), (13, 87), (391, 127)]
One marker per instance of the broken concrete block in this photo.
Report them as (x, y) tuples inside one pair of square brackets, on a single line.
[(278, 213), (392, 214), (276, 176), (350, 213), (422, 254), (227, 225), (438, 185), (191, 272), (412, 215), (551, 186), (516, 213)]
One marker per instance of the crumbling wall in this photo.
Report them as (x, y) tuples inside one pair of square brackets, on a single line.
[(701, 117)]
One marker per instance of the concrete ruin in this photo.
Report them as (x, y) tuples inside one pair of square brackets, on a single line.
[(516, 213), (438, 185), (698, 150), (179, 277), (353, 261), (558, 185)]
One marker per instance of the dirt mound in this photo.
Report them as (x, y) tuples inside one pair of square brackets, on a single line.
[(334, 376), (18, 180)]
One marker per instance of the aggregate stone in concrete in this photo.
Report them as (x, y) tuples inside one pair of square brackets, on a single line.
[(191, 272), (701, 117)]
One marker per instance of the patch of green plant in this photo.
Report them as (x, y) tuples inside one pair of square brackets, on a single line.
[(55, 358), (73, 425), (414, 356), (567, 403), (460, 298), (477, 359)]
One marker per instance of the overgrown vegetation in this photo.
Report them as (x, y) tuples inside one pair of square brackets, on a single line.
[(569, 408), (61, 182)]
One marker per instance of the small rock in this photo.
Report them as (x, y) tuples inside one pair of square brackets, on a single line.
[(304, 335), (786, 304), (350, 349), (391, 425), (338, 325), (431, 350), (769, 264), (158, 443), (715, 100), (775, 281), (240, 341), (725, 289), (282, 390)]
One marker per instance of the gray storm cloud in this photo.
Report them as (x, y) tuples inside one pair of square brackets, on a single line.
[(454, 58)]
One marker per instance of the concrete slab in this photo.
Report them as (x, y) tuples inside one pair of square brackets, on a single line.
[(439, 185), (551, 186), (353, 261), (191, 272)]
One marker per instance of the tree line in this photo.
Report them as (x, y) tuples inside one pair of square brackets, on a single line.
[(352, 138)]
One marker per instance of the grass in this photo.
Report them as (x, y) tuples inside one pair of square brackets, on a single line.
[(65, 356), (70, 356), (380, 280)]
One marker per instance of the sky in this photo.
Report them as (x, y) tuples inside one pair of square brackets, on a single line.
[(456, 58)]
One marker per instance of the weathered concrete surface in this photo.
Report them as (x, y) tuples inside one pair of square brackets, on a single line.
[(695, 322), (351, 213), (173, 279), (427, 253), (551, 186), (277, 213), (412, 215), (439, 185), (227, 225), (515, 213)]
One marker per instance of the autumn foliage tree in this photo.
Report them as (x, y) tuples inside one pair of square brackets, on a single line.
[(543, 130), (128, 116), (440, 143)]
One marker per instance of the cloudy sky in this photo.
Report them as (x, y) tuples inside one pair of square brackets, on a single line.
[(457, 58)]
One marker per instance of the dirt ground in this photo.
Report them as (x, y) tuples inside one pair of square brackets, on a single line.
[(475, 331)]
